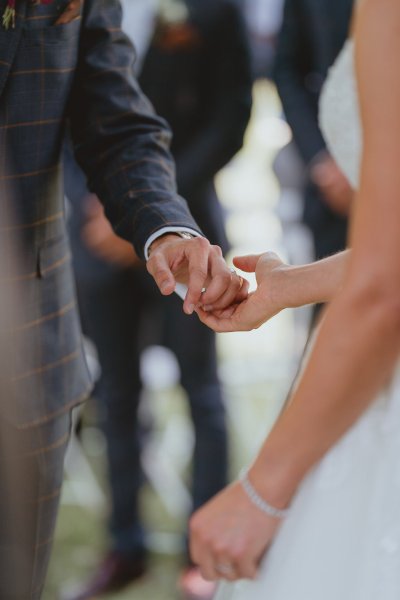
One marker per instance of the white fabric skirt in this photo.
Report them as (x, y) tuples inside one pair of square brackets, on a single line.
[(341, 540)]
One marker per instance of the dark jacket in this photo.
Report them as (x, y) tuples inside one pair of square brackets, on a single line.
[(81, 71), (198, 76), (312, 35)]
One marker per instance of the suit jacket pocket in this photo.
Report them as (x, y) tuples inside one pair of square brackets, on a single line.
[(52, 34)]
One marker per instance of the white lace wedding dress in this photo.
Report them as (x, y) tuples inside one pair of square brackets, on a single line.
[(341, 540)]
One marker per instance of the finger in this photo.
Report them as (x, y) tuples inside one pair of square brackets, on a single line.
[(236, 293), (207, 568), (244, 316), (197, 253), (200, 553), (243, 290), (249, 570), (225, 568), (224, 285), (219, 325), (202, 557), (225, 313), (157, 266), (247, 263), (250, 263), (221, 291), (245, 566)]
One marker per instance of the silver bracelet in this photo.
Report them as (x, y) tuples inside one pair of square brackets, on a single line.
[(277, 513)]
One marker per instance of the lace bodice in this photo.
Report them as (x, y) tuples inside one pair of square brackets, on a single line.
[(340, 117)]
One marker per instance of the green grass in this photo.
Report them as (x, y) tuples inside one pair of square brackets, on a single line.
[(78, 548)]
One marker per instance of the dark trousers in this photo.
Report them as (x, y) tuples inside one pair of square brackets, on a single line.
[(329, 230), (118, 311), (31, 473)]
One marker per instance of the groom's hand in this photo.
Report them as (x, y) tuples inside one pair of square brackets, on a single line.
[(199, 265)]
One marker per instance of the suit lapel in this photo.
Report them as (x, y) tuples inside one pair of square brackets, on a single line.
[(9, 42)]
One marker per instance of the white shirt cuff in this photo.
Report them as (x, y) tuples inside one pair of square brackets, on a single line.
[(164, 231)]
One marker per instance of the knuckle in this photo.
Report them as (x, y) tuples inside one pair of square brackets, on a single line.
[(199, 273), (160, 272), (224, 277), (154, 261), (238, 553), (217, 250), (201, 536), (221, 548), (202, 242)]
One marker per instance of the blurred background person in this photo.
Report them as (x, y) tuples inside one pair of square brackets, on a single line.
[(312, 34), (263, 18), (193, 64)]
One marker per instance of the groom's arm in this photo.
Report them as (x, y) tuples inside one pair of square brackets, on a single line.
[(120, 143), (123, 147)]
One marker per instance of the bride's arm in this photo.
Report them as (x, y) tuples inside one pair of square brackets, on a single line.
[(313, 283), (359, 340), (279, 286)]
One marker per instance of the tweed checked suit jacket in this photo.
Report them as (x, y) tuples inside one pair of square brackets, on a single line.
[(50, 74)]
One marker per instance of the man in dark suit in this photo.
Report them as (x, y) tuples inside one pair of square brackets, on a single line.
[(312, 34), (59, 60), (196, 72)]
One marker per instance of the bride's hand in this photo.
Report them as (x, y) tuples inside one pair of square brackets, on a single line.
[(229, 536), (261, 304)]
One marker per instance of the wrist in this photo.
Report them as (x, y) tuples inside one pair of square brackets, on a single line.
[(300, 285), (164, 239), (282, 288), (275, 481), (261, 503)]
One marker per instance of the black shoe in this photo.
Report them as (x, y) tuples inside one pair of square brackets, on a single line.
[(114, 573)]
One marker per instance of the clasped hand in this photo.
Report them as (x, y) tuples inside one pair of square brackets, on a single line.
[(200, 266), (258, 306), (229, 536), (225, 305)]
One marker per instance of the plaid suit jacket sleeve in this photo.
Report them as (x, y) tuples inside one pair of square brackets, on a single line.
[(120, 143)]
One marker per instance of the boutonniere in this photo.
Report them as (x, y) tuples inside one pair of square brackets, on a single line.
[(10, 12)]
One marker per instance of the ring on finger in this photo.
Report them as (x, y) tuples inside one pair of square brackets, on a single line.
[(224, 569), (241, 280)]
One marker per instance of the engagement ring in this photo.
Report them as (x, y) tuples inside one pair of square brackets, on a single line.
[(234, 272), (224, 569)]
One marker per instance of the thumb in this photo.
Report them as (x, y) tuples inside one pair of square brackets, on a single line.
[(158, 267), (247, 263)]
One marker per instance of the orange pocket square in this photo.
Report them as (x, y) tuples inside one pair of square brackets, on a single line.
[(72, 12)]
